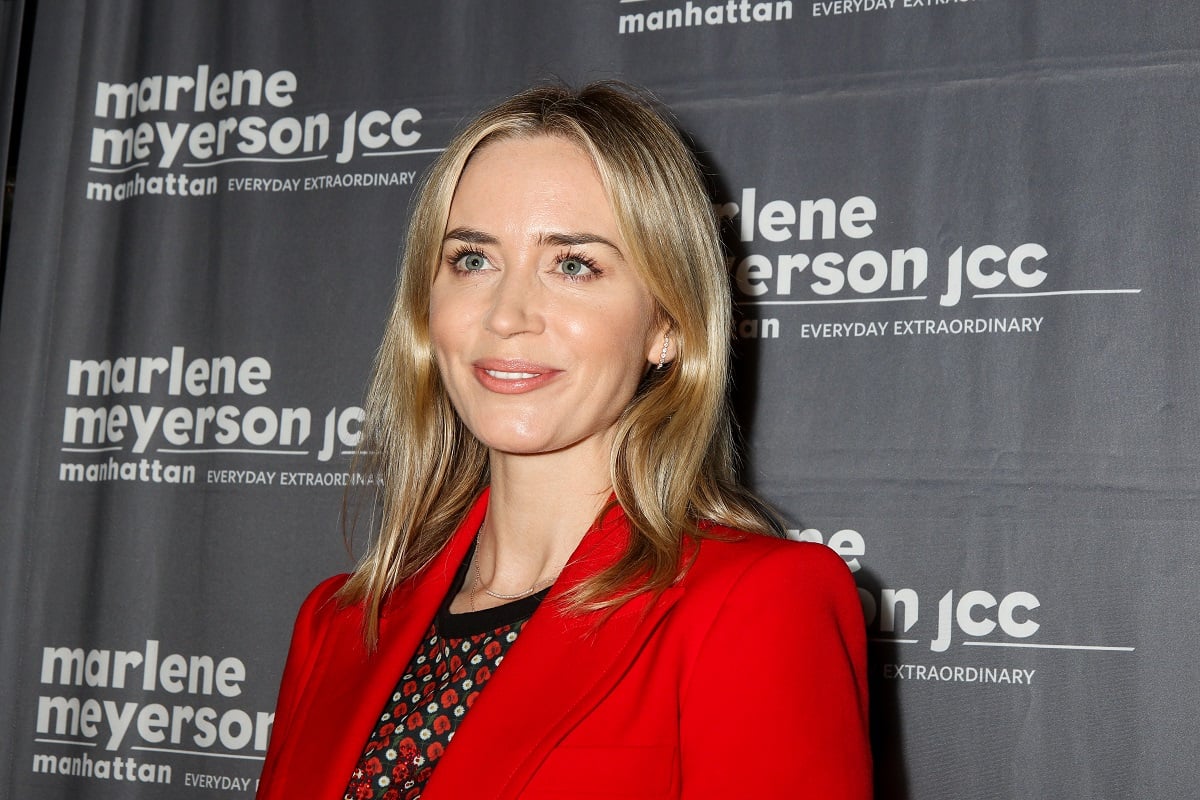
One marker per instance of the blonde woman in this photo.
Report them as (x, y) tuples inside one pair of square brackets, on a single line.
[(568, 594)]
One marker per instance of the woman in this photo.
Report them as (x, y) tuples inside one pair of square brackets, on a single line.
[(549, 428)]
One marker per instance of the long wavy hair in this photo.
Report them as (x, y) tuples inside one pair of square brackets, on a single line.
[(673, 463)]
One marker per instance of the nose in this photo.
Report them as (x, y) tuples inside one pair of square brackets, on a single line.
[(516, 304)]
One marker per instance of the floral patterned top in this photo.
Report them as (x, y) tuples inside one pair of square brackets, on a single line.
[(453, 662)]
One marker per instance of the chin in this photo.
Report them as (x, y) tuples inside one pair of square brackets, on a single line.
[(515, 443), (526, 443)]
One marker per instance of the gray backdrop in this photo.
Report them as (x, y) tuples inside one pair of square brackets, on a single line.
[(964, 248)]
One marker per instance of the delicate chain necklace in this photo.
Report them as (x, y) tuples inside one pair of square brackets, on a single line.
[(533, 587)]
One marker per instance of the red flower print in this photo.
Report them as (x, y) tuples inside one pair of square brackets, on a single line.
[(492, 649), (435, 751), (414, 721), (449, 697), (408, 748), (400, 772), (391, 794), (363, 791), (471, 699), (373, 767), (441, 724), (410, 687), (386, 730), (483, 674)]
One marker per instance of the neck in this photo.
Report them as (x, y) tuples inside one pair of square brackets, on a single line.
[(540, 508)]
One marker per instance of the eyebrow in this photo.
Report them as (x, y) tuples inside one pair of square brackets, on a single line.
[(470, 236), (556, 239)]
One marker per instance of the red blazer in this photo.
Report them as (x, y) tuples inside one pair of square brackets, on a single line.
[(746, 679)]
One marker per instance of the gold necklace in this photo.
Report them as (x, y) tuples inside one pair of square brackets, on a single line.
[(533, 587)]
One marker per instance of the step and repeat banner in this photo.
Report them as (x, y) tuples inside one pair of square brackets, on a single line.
[(964, 247)]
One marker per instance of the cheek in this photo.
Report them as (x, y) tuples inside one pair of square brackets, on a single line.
[(437, 329), (603, 335), (642, 329), (445, 326), (620, 341)]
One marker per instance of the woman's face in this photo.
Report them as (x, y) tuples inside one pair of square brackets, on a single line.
[(541, 326)]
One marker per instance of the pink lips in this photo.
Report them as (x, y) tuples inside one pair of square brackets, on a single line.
[(512, 376)]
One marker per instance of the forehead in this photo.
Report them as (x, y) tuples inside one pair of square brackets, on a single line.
[(546, 179)]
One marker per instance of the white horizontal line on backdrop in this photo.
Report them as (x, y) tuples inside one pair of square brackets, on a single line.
[(249, 450), (1065, 291), (196, 753), (828, 302), (407, 152), (65, 741), (926, 297), (1035, 646), (254, 159), (120, 169)]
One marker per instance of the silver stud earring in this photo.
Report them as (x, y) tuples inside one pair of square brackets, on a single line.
[(662, 357)]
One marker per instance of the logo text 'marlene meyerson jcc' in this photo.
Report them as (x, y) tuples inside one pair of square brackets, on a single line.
[(218, 138), (793, 230)]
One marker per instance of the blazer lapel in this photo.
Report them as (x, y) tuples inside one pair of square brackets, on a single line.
[(350, 686), (559, 668)]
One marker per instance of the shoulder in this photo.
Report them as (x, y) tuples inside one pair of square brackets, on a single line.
[(798, 599), (323, 593), (742, 585), (747, 563), (320, 607)]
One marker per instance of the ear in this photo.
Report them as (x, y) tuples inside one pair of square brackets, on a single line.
[(662, 348)]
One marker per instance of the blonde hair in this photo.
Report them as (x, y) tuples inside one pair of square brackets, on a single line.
[(673, 462)]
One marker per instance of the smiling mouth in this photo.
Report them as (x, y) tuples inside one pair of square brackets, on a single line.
[(514, 376), (511, 376)]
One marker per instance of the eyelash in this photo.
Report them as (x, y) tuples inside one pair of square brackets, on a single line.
[(567, 255), (458, 254)]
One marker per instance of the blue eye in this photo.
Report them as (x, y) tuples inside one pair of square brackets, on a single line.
[(472, 262), (575, 267)]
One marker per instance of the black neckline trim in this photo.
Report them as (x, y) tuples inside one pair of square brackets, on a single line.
[(472, 623)]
